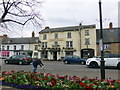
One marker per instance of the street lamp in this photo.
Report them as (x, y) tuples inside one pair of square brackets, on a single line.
[(102, 67)]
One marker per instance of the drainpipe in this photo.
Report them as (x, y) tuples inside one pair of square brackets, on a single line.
[(79, 32)]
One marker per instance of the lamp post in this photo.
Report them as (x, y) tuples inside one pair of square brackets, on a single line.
[(102, 62)]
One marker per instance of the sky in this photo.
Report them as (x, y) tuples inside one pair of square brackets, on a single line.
[(63, 13), (60, 13)]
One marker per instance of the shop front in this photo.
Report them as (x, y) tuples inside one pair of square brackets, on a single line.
[(87, 53), (5, 54)]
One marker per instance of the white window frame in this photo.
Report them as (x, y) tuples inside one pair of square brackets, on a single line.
[(69, 44), (69, 35)]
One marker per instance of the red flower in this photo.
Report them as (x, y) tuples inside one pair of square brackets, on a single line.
[(96, 83), (53, 81), (91, 80), (82, 84), (32, 76)]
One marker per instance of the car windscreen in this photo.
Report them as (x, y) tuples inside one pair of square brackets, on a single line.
[(76, 57)]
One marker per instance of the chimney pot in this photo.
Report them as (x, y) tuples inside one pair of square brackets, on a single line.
[(110, 25), (5, 36), (33, 34), (47, 27)]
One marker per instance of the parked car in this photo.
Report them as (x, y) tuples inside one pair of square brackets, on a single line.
[(74, 59), (111, 60), (19, 59)]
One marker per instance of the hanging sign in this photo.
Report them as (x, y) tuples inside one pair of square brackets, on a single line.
[(101, 45)]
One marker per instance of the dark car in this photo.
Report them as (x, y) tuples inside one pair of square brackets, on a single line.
[(74, 59), (19, 59)]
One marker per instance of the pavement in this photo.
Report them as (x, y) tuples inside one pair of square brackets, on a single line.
[(8, 88)]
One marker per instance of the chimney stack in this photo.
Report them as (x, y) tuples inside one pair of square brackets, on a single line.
[(47, 27), (5, 36), (33, 34), (110, 25)]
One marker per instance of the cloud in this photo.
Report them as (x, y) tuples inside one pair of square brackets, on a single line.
[(62, 13), (71, 12)]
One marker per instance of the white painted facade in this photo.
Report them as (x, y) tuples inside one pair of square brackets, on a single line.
[(78, 42), (13, 51)]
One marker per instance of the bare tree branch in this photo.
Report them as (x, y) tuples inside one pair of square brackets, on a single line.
[(8, 20), (20, 12)]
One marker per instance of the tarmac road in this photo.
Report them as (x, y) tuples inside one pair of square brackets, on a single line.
[(58, 67)]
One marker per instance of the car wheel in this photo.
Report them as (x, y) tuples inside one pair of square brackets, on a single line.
[(93, 64), (66, 62), (82, 63), (20, 62), (118, 66), (6, 62)]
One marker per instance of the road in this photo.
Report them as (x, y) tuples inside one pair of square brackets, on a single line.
[(58, 67)]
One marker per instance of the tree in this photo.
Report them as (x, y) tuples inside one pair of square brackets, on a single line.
[(19, 13)]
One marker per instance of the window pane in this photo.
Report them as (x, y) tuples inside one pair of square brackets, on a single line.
[(86, 32), (7, 47), (69, 44), (45, 45), (36, 47), (56, 36), (44, 36), (22, 47), (69, 35), (87, 41), (55, 44), (14, 47)]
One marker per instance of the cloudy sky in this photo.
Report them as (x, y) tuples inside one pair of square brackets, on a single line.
[(62, 13)]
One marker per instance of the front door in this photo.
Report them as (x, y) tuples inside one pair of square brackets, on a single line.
[(55, 55)]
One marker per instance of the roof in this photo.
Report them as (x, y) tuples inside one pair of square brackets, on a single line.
[(30, 40), (109, 36), (63, 29)]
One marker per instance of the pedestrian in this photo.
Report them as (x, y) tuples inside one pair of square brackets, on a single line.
[(37, 62)]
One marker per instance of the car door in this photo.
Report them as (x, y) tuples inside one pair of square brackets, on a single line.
[(70, 59), (12, 59), (17, 59), (76, 59), (111, 61)]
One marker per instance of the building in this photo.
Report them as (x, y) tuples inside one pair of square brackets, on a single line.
[(1, 37), (75, 40), (0, 44), (119, 14), (18, 46), (111, 41)]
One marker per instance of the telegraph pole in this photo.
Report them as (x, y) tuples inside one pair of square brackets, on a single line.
[(102, 62)]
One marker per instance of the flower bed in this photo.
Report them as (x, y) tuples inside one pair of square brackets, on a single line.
[(26, 80)]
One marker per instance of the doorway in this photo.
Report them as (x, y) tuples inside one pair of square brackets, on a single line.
[(87, 53), (55, 55)]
